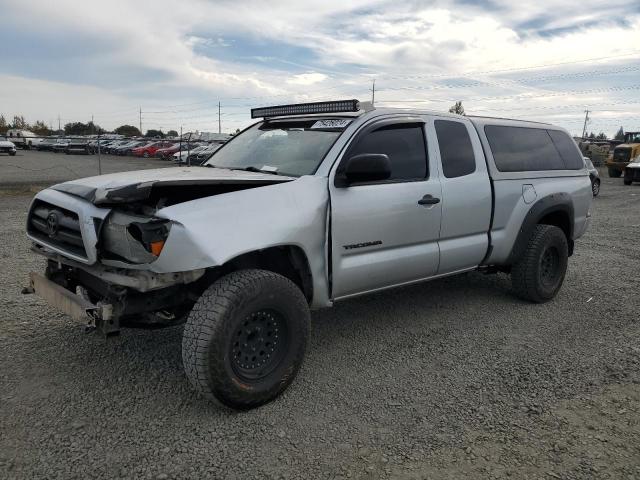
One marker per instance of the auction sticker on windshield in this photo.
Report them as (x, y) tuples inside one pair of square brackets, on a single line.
[(331, 123)]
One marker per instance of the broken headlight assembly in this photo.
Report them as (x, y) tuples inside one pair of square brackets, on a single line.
[(133, 238)]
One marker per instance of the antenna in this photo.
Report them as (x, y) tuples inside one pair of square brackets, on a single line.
[(373, 93)]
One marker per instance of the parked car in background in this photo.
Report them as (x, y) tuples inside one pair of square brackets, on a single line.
[(60, 145), (125, 148), (181, 156), (47, 144), (167, 152), (594, 176), (23, 138), (7, 147), (201, 156), (106, 146), (78, 145), (111, 148), (150, 150)]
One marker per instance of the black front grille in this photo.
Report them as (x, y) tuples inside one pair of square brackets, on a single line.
[(57, 227)]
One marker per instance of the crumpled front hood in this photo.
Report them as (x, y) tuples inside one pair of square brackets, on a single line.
[(125, 187)]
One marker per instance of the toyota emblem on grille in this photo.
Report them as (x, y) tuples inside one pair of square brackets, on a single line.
[(53, 223)]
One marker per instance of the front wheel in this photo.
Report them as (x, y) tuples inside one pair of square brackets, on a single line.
[(145, 154), (614, 172), (245, 338), (538, 274), (595, 187)]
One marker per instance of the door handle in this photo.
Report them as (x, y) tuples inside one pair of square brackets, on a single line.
[(428, 200)]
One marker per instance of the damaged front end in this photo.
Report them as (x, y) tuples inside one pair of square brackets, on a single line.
[(111, 298), (102, 245)]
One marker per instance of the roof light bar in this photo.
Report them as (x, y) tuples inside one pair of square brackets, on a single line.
[(306, 108)]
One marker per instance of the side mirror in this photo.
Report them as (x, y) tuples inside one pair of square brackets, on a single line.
[(365, 167)]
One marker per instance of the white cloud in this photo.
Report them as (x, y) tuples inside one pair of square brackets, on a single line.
[(307, 78), (405, 45)]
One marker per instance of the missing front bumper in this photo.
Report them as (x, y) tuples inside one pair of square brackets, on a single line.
[(98, 317)]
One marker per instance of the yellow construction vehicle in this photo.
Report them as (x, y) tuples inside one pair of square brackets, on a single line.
[(623, 154)]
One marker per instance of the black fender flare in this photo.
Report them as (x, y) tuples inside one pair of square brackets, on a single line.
[(554, 203)]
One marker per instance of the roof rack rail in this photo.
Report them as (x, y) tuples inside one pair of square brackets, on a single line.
[(336, 106)]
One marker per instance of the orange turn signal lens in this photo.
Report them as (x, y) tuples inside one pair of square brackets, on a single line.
[(156, 247)]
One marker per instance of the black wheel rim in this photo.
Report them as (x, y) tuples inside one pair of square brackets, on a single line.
[(258, 344), (550, 267)]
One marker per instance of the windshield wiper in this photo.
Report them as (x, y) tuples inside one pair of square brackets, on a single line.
[(253, 168)]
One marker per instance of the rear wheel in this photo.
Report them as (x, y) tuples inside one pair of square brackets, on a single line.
[(245, 338), (145, 154), (628, 181), (614, 172), (538, 274)]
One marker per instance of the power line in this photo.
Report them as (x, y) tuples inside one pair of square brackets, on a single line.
[(514, 69)]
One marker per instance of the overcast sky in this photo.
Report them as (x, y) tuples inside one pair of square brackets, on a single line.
[(545, 60)]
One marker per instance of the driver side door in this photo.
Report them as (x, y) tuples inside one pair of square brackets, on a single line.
[(384, 233)]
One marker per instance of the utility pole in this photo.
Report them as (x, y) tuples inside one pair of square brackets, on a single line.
[(58, 122), (373, 92), (586, 119), (219, 124), (141, 121)]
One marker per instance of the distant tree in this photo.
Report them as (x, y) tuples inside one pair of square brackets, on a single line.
[(19, 122), (94, 129), (619, 134), (128, 131), (3, 125), (172, 133), (591, 136), (40, 128), (79, 128), (601, 136), (457, 108), (75, 128), (154, 133)]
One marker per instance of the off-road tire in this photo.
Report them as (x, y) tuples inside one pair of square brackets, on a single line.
[(224, 314), (534, 276), (614, 172)]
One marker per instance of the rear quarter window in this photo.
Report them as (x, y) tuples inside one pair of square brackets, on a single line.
[(456, 151), (522, 149)]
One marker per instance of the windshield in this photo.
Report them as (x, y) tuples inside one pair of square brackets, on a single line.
[(288, 147), (632, 137)]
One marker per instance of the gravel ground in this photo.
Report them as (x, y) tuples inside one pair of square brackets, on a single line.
[(450, 379), (30, 167)]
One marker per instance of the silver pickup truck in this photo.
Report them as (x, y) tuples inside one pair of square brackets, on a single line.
[(313, 204)]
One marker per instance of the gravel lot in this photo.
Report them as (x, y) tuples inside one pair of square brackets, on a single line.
[(450, 379), (38, 169)]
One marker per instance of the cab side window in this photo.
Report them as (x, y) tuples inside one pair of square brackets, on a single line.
[(456, 151), (405, 146)]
